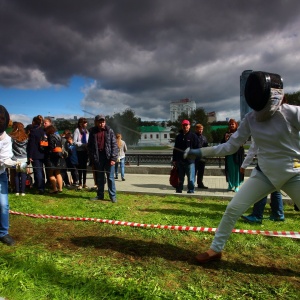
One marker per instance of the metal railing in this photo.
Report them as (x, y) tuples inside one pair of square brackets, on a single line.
[(166, 159)]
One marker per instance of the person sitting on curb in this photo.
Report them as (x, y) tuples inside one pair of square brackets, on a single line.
[(258, 208)]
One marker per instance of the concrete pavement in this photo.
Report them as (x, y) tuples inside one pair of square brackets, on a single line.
[(158, 184)]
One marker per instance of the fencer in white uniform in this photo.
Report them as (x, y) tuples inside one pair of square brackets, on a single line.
[(275, 128)]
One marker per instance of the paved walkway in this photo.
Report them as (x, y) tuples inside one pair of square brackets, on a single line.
[(159, 185)]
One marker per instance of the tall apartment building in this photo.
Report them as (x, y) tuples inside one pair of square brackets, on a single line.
[(244, 108), (178, 107)]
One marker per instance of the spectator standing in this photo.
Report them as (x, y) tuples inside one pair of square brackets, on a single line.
[(5, 162), (72, 159), (35, 153), (185, 139), (81, 138), (19, 147), (103, 151), (258, 208), (200, 162), (54, 159), (121, 159), (64, 172), (233, 161)]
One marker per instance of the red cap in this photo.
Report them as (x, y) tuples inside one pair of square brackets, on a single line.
[(185, 122)]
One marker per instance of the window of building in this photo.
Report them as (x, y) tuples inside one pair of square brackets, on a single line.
[(151, 136), (165, 136), (145, 136), (157, 136)]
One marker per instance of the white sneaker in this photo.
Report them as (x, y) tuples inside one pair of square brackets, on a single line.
[(17, 194), (79, 187), (23, 194)]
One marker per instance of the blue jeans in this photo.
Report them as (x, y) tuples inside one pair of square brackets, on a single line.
[(122, 167), (4, 206), (39, 175), (20, 182), (187, 169), (103, 168), (276, 206)]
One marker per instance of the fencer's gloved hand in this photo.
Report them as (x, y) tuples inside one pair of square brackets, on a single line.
[(21, 167), (9, 163), (192, 153)]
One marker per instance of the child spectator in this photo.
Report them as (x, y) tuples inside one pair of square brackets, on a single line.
[(72, 159), (19, 146)]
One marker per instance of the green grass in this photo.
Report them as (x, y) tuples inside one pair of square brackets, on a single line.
[(55, 259)]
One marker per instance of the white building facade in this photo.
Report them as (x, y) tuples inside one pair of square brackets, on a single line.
[(182, 106), (154, 136)]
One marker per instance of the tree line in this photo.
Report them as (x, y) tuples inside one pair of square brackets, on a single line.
[(128, 124)]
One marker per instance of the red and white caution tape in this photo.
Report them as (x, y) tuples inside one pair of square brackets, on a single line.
[(290, 234)]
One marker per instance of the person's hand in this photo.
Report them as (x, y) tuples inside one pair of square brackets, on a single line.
[(9, 163), (192, 153), (112, 163), (242, 170), (21, 167)]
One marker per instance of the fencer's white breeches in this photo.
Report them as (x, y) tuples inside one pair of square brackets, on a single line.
[(252, 190)]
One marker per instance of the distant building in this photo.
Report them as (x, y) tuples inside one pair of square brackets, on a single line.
[(244, 108), (211, 117), (182, 106), (154, 136)]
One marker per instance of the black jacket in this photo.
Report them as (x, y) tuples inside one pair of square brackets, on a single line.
[(182, 142), (111, 147), (33, 147)]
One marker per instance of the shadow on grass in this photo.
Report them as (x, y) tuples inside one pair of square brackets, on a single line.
[(135, 247), (143, 249), (242, 267)]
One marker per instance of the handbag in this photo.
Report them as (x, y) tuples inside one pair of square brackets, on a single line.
[(174, 179)]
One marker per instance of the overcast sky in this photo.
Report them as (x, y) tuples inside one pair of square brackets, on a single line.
[(63, 57)]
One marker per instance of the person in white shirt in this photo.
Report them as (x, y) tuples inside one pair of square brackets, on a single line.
[(6, 154), (275, 128)]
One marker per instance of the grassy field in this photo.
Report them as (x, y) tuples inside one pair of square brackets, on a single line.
[(56, 259)]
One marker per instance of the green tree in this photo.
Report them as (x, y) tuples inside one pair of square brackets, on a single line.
[(197, 116), (293, 98), (127, 124), (64, 124), (218, 134)]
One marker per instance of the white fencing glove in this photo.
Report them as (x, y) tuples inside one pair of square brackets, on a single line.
[(192, 153), (9, 163)]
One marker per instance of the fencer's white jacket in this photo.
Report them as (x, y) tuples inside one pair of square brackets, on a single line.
[(277, 140), (5, 152), (250, 155)]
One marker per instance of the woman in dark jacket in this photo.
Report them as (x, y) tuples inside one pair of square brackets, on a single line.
[(35, 153), (54, 159)]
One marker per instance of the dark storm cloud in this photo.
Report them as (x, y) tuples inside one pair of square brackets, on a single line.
[(147, 53)]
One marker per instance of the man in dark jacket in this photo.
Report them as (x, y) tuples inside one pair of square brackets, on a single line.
[(185, 139), (200, 162), (103, 152), (35, 153)]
